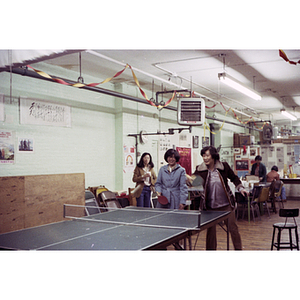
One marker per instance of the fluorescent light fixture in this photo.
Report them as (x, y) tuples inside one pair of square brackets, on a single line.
[(230, 81), (288, 115)]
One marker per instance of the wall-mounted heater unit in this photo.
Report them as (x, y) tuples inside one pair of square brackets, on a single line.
[(191, 111)]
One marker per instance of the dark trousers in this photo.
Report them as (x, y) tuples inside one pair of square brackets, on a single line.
[(211, 234), (144, 199)]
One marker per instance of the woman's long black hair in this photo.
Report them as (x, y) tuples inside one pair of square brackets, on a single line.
[(141, 163)]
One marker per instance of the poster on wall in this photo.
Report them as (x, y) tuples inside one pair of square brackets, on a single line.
[(129, 158), (7, 147), (205, 141), (165, 143), (1, 108), (185, 159), (38, 112)]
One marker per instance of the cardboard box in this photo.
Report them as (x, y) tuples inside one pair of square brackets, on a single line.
[(291, 141), (245, 139), (236, 140)]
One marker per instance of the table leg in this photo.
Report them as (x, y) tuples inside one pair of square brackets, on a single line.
[(227, 234), (248, 209)]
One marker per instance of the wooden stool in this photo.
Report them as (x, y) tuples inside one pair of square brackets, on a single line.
[(287, 213)]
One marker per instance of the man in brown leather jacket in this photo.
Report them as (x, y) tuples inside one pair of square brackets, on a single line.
[(218, 195)]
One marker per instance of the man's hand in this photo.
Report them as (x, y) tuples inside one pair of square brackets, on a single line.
[(244, 192), (181, 206)]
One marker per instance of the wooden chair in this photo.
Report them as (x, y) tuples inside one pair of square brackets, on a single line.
[(131, 198), (243, 203), (262, 199), (286, 213), (275, 194), (272, 197), (253, 200)]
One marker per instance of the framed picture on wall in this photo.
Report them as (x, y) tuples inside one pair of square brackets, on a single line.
[(253, 152), (242, 165), (195, 141), (237, 157), (237, 150), (25, 144)]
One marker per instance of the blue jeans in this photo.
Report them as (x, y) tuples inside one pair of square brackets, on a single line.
[(283, 193), (144, 199)]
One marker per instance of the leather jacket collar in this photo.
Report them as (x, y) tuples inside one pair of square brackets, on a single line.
[(203, 167)]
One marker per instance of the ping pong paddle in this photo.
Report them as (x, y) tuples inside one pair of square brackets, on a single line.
[(162, 200), (197, 180)]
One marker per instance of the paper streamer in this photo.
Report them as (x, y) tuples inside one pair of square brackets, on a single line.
[(79, 85)]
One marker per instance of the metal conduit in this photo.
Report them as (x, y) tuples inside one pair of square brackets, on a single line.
[(32, 74)]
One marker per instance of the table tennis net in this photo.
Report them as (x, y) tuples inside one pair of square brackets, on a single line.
[(79, 213)]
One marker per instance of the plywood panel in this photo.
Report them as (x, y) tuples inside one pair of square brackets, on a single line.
[(45, 196), (28, 201), (12, 204)]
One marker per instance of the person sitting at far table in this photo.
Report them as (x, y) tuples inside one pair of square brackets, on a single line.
[(273, 175), (259, 169)]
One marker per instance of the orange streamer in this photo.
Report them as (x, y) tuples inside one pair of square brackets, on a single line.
[(79, 85), (284, 56)]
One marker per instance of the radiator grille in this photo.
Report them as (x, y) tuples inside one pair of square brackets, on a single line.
[(191, 112)]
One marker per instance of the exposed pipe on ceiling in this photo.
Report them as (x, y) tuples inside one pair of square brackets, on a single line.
[(163, 80), (32, 74)]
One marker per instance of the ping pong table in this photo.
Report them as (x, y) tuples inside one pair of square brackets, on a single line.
[(120, 229)]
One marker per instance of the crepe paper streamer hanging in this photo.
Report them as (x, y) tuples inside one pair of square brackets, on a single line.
[(227, 110), (145, 96), (246, 122), (221, 127), (260, 128), (284, 56), (211, 106), (79, 85), (205, 125)]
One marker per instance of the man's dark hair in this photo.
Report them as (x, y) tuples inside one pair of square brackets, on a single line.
[(258, 157), (275, 168)]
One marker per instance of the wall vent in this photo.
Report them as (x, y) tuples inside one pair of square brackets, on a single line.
[(191, 111)]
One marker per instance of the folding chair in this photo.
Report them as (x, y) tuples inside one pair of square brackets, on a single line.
[(91, 204), (110, 200)]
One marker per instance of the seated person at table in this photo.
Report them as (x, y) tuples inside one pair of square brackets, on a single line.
[(273, 175), (259, 169)]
